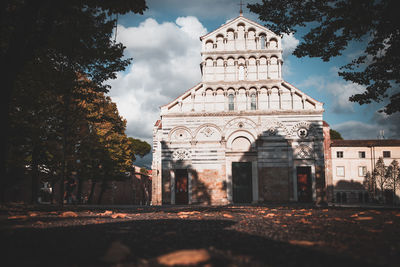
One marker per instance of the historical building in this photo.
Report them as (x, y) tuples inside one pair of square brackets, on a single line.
[(350, 162), (243, 134)]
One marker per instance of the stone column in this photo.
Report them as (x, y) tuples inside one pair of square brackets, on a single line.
[(257, 64), (279, 68), (204, 100), (268, 63), (269, 91), (193, 96), (172, 173)]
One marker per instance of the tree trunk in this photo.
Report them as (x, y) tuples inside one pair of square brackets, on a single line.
[(79, 190), (35, 174), (93, 186), (103, 189), (64, 146)]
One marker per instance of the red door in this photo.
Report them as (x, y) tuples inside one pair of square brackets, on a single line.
[(304, 187), (181, 186)]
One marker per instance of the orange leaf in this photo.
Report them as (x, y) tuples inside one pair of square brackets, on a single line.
[(364, 218), (68, 214)]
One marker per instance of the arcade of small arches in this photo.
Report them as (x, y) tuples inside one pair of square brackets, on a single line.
[(246, 99), (241, 127), (242, 68), (254, 40)]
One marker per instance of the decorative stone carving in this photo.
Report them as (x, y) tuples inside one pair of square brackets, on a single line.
[(270, 127), (303, 152), (181, 154), (302, 132), (207, 131)]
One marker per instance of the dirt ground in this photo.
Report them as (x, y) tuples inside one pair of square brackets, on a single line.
[(273, 235)]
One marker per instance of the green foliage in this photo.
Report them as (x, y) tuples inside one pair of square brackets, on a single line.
[(335, 135), (141, 148), (336, 23), (51, 54)]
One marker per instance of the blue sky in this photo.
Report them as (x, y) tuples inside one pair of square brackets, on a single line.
[(165, 47)]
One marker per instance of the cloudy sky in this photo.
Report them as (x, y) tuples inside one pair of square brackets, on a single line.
[(165, 47)]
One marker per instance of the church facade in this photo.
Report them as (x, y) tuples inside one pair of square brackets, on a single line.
[(243, 134)]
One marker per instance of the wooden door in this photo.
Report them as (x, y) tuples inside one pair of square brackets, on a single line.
[(181, 187), (242, 182), (304, 185)]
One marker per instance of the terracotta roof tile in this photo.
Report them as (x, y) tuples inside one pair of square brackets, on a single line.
[(360, 143)]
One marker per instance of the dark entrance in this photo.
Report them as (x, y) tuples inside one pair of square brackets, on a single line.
[(242, 184), (304, 187), (181, 186)]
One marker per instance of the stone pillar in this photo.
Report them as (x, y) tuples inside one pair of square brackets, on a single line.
[(292, 98), (268, 63), (193, 96), (279, 69), (280, 98), (235, 63), (172, 173), (257, 64), (269, 91), (204, 100)]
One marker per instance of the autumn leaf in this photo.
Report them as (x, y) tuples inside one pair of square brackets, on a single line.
[(227, 216), (68, 214), (184, 257), (364, 218)]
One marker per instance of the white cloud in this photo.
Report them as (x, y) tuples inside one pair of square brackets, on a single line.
[(166, 58), (390, 124), (338, 89), (289, 44)]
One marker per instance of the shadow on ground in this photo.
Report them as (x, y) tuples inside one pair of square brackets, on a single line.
[(148, 239)]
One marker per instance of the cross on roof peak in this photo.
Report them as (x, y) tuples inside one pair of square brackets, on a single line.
[(241, 9)]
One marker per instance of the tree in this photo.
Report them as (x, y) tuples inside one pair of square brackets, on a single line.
[(141, 148), (370, 184), (380, 176), (333, 25), (65, 38), (335, 135), (393, 175)]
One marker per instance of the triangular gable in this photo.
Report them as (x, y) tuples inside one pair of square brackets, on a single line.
[(182, 96), (303, 95), (235, 21)]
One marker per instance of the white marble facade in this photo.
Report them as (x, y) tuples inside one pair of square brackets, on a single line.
[(241, 111)]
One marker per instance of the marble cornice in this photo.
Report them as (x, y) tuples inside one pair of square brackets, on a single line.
[(245, 113)]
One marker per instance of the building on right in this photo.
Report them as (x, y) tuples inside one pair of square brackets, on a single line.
[(351, 161)]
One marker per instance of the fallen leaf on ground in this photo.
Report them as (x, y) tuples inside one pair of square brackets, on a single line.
[(119, 215), (68, 214), (116, 252), (33, 214), (305, 221), (354, 215), (227, 216), (302, 242), (269, 215), (363, 218), (308, 214), (288, 214), (106, 213), (325, 210), (184, 257), (188, 212), (17, 217), (183, 216)]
